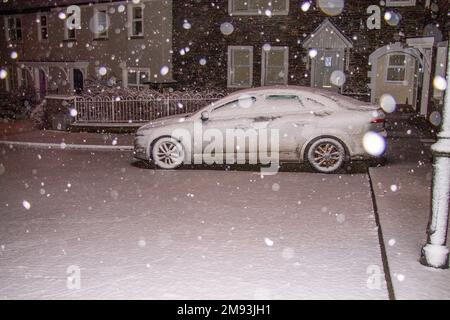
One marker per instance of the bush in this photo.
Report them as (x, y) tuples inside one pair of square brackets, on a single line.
[(18, 105)]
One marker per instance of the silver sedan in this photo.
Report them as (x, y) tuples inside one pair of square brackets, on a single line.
[(267, 124)]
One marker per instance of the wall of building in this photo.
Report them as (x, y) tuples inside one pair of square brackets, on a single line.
[(205, 39), (152, 51)]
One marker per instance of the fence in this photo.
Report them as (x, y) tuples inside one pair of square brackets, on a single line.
[(104, 109)]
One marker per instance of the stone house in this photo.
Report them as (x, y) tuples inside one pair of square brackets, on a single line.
[(372, 47), (363, 49), (119, 43)]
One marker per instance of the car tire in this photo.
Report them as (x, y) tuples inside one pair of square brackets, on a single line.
[(167, 153), (326, 155)]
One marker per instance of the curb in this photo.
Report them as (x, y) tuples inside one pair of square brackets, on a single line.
[(85, 147), (384, 257)]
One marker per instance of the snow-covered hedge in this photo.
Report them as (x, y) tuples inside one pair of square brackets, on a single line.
[(18, 104)]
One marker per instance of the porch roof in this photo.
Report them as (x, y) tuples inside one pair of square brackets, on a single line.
[(327, 35)]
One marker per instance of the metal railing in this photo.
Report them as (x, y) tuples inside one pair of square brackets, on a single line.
[(136, 109)]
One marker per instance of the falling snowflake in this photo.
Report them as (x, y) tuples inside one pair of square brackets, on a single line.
[(26, 204), (268, 242)]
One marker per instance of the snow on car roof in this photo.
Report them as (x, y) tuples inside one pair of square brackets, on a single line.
[(329, 98), (322, 96), (285, 89)]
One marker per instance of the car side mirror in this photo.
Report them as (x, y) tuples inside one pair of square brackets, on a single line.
[(205, 116)]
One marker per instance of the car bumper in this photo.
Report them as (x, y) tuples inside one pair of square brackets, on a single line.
[(359, 153), (140, 151)]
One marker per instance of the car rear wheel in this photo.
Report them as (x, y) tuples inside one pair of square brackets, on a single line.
[(326, 155), (167, 153)]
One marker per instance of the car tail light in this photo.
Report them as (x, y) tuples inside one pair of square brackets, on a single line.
[(379, 117)]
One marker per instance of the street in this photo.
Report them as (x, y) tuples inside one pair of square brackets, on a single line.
[(138, 233)]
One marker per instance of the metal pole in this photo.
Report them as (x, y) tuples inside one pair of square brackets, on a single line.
[(435, 252)]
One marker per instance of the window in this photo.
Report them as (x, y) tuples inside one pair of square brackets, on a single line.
[(14, 30), (225, 109), (284, 103), (240, 67), (136, 19), (400, 3), (23, 78), (42, 21), (256, 7), (101, 23), (243, 105), (12, 83), (136, 78), (396, 70), (275, 66), (70, 34)]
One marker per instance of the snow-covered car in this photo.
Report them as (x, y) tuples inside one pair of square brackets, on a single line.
[(321, 127)]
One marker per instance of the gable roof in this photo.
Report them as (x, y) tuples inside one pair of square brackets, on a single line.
[(24, 6), (327, 35)]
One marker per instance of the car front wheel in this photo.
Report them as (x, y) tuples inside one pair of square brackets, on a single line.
[(167, 153), (326, 155)]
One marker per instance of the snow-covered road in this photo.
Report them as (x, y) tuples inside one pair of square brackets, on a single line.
[(185, 234)]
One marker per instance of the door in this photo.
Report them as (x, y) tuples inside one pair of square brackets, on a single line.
[(78, 80), (232, 120), (327, 61)]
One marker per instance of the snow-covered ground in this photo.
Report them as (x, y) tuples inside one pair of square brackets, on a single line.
[(185, 234), (402, 190)]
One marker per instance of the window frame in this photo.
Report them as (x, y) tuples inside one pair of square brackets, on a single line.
[(230, 83), (264, 65), (250, 12), (40, 27), (139, 70), (397, 3), (8, 29), (389, 66), (132, 20), (105, 34)]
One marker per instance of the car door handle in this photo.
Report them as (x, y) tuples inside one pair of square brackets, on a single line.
[(264, 119), (241, 127)]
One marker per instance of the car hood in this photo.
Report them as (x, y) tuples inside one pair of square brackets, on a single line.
[(164, 121)]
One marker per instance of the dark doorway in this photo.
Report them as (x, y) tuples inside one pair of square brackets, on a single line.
[(78, 80)]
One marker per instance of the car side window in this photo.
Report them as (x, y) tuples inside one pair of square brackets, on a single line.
[(235, 107), (284, 103)]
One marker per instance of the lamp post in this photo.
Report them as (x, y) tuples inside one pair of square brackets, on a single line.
[(435, 252)]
